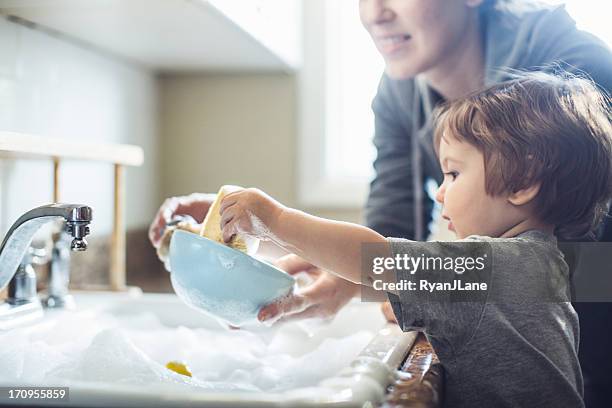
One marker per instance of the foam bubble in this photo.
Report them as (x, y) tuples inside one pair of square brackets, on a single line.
[(76, 348)]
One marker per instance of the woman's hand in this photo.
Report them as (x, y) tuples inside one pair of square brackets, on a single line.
[(196, 205), (251, 212), (323, 298)]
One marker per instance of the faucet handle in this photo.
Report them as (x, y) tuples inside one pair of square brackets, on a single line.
[(22, 287), (35, 256), (59, 273)]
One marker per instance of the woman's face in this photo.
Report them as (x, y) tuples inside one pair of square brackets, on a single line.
[(415, 36)]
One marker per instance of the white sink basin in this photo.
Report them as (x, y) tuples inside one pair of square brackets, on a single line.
[(113, 349)]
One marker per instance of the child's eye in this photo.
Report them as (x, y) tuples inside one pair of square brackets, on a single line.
[(453, 174)]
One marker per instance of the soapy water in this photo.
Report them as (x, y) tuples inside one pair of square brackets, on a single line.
[(80, 347)]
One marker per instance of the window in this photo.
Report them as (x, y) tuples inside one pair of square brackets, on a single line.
[(354, 68), (590, 15), (340, 76)]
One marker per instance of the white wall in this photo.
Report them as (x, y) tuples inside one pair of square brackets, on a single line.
[(232, 129), (56, 88)]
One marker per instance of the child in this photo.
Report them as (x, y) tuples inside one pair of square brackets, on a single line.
[(523, 161)]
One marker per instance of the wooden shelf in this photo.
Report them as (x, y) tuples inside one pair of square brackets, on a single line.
[(27, 146)]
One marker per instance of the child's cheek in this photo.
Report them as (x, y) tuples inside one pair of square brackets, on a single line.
[(453, 198), (449, 196)]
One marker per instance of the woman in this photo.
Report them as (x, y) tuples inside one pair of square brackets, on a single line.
[(434, 50)]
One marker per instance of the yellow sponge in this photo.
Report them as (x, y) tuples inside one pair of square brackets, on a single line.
[(179, 368), (211, 228)]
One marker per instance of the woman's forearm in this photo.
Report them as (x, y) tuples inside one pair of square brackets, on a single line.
[(332, 245)]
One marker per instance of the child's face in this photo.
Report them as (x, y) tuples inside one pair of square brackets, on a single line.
[(470, 210)]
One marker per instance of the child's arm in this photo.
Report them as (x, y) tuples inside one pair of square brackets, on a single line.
[(331, 245)]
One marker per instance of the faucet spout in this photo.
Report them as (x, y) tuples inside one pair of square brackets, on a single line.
[(19, 236)]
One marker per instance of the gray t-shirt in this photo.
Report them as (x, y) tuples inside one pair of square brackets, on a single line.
[(511, 349)]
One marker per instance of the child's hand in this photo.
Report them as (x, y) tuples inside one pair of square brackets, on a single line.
[(252, 212)]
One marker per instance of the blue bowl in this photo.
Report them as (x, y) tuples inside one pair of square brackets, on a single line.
[(222, 281)]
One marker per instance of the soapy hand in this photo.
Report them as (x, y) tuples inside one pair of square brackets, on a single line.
[(323, 298), (163, 249), (250, 212), (195, 205)]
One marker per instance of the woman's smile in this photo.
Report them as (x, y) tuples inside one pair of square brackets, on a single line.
[(391, 44)]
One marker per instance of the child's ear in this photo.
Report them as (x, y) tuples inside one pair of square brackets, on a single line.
[(524, 196)]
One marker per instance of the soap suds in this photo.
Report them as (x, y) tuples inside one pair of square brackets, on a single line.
[(133, 349)]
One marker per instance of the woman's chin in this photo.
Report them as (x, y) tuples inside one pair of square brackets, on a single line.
[(400, 69)]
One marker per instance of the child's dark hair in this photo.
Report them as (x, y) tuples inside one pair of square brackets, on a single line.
[(539, 128)]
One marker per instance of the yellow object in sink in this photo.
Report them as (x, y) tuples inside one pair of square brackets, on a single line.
[(179, 368)]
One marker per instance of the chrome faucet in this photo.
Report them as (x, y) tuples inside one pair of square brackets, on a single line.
[(15, 247)]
